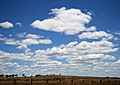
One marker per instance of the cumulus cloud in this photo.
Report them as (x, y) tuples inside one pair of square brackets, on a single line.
[(83, 47), (10, 41), (25, 40), (70, 21), (36, 41), (95, 35), (87, 56), (78, 56), (6, 25), (33, 39), (9, 62), (25, 35), (83, 52)]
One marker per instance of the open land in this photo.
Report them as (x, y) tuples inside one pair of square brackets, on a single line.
[(59, 80)]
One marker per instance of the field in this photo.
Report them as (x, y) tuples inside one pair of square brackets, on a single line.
[(59, 80)]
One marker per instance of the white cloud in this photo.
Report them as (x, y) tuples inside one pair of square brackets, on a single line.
[(19, 24), (26, 39), (86, 47), (22, 46), (74, 58), (95, 35), (33, 39), (70, 21), (6, 25), (10, 41), (83, 51), (24, 35), (117, 33), (78, 57), (32, 36), (36, 41), (97, 57), (116, 38), (92, 28), (118, 61)]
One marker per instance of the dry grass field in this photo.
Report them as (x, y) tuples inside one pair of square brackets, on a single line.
[(58, 80)]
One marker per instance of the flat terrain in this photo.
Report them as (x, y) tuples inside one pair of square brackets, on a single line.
[(59, 80)]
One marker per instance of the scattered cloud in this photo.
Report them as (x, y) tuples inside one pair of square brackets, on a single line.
[(95, 35), (10, 41), (28, 39), (23, 46), (117, 33), (79, 62), (78, 57), (25, 35), (116, 38), (6, 25), (33, 39), (36, 41), (70, 21), (24, 40), (75, 49), (19, 24)]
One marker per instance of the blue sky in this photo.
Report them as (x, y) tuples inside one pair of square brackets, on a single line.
[(67, 37)]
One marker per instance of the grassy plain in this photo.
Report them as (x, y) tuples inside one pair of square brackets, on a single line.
[(59, 80)]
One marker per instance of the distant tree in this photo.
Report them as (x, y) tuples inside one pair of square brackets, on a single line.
[(6, 75), (15, 75), (37, 75), (59, 74), (23, 75), (1, 75)]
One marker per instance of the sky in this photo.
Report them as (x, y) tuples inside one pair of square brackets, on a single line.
[(68, 37)]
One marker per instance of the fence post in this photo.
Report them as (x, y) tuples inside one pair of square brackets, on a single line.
[(60, 80), (108, 81), (72, 81), (115, 82), (47, 80), (14, 81), (30, 81), (100, 81), (83, 81), (92, 81)]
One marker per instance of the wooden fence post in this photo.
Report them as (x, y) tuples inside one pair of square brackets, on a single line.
[(72, 81), (100, 81), (108, 81), (83, 81), (92, 81), (14, 81), (115, 82), (47, 80), (30, 81), (60, 80)]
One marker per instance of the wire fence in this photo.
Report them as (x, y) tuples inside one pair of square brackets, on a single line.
[(37, 81)]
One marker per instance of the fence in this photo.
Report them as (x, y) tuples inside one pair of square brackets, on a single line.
[(37, 81)]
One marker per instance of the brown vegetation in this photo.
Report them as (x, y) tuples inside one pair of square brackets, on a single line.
[(58, 80)]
